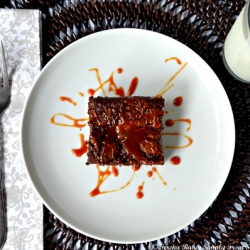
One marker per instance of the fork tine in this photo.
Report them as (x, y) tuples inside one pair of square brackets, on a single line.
[(5, 72)]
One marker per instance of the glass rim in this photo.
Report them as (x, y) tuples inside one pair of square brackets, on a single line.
[(248, 15)]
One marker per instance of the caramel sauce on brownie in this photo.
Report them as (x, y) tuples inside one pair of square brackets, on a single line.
[(125, 131)]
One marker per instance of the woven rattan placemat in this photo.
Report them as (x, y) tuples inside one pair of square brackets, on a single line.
[(202, 26)]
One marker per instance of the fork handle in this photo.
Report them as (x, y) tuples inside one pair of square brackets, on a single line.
[(2, 214)]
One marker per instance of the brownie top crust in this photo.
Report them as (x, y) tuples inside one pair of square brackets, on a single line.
[(125, 131)]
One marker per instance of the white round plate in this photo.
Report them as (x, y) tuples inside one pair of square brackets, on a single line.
[(64, 181)]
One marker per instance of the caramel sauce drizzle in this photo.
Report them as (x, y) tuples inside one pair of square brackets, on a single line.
[(164, 90), (139, 194), (154, 169), (64, 98), (136, 167), (91, 92), (112, 86), (150, 174), (119, 70), (174, 58), (171, 122), (76, 122), (178, 101), (115, 171), (99, 81), (102, 177), (165, 87), (83, 149), (175, 160), (132, 86), (190, 140), (81, 93)]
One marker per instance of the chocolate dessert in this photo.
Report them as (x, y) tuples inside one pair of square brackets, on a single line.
[(125, 131)]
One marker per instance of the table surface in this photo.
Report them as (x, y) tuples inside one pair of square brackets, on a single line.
[(202, 26)]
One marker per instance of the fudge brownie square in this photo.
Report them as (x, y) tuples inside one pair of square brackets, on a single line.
[(125, 131)]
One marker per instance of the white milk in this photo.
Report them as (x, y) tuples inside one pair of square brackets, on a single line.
[(237, 47)]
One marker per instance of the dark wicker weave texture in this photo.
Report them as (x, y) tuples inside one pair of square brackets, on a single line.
[(202, 26)]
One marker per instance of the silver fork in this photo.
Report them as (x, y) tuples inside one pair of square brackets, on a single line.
[(5, 88), (4, 102)]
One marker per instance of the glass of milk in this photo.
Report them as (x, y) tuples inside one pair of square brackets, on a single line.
[(236, 49)]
